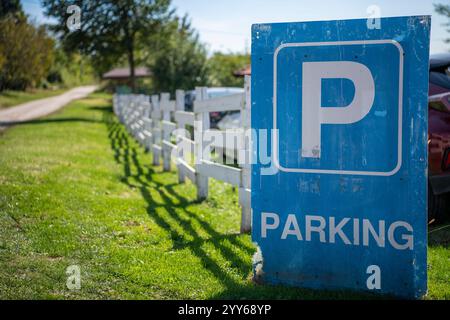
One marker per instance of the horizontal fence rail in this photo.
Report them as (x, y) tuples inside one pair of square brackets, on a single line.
[(164, 128)]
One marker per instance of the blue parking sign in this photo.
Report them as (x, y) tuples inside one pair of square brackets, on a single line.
[(339, 184)]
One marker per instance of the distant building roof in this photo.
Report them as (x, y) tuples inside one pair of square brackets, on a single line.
[(124, 73), (247, 71)]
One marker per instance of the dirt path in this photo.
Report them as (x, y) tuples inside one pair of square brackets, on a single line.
[(39, 108)]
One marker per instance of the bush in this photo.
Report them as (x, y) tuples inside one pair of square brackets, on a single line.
[(70, 69), (181, 60), (26, 53), (222, 66)]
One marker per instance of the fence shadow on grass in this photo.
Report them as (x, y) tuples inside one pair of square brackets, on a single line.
[(142, 177), (439, 235), (138, 176), (108, 109)]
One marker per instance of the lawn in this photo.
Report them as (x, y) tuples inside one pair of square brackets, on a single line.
[(75, 189), (11, 98)]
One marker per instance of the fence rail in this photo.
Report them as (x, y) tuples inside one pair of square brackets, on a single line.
[(159, 125)]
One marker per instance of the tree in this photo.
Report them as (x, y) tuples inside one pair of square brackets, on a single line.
[(2, 59), (10, 7), (222, 67), (26, 52), (180, 59), (70, 69), (110, 29), (444, 10)]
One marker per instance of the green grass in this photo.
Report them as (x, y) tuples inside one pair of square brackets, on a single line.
[(9, 98), (75, 189)]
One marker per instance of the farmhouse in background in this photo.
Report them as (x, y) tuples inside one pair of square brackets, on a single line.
[(120, 78), (247, 71)]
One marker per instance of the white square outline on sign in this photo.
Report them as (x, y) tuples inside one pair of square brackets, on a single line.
[(275, 151)]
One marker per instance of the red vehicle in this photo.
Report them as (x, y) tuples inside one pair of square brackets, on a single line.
[(439, 137)]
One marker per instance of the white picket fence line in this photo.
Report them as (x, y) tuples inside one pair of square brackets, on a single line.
[(153, 122)]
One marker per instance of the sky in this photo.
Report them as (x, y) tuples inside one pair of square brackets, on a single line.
[(224, 25)]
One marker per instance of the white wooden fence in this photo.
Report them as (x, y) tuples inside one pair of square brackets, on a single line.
[(159, 124)]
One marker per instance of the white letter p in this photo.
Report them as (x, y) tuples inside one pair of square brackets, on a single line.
[(314, 115)]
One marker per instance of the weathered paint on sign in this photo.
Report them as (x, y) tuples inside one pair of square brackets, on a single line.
[(342, 201)]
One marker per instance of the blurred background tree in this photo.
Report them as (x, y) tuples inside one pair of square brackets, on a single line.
[(179, 59), (70, 69), (222, 66), (30, 56), (110, 29), (26, 53), (143, 33), (10, 7), (444, 10)]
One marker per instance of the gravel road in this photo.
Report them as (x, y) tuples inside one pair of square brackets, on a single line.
[(39, 108)]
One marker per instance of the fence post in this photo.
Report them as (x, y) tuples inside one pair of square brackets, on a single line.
[(244, 189), (156, 134), (147, 106), (147, 124), (166, 110), (201, 124), (141, 114), (179, 106)]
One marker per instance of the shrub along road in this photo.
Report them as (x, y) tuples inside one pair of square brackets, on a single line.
[(75, 189)]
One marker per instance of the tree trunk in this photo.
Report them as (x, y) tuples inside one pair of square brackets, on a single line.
[(132, 67)]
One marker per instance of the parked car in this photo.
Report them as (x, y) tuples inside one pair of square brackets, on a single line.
[(439, 74), (438, 155), (439, 137), (215, 117)]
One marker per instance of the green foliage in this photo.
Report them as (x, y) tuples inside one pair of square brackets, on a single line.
[(26, 53), (110, 29), (180, 59), (445, 11), (28, 58), (71, 69), (8, 7), (222, 66), (2, 56)]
